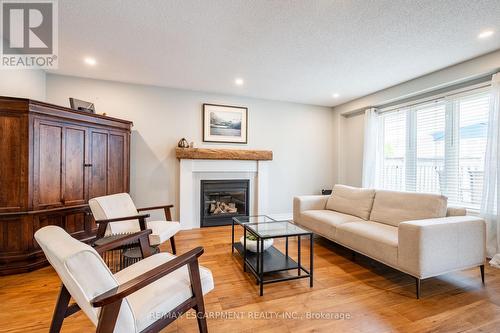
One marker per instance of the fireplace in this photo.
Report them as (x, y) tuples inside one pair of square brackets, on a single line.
[(221, 200)]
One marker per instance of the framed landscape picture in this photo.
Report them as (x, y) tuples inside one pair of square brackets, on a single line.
[(224, 123)]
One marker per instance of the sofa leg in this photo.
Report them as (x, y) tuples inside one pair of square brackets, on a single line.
[(417, 283), (481, 268), (172, 244)]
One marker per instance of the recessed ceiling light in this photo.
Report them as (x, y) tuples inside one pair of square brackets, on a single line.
[(239, 81), (90, 61), (485, 34), (335, 95)]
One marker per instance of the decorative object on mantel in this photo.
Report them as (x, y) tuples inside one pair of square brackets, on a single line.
[(252, 243), (223, 154), (225, 123), (183, 143)]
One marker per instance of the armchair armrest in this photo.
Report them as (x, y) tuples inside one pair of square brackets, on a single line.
[(126, 218), (436, 246), (166, 209), (154, 207), (308, 202), (142, 237), (104, 223), (129, 287)]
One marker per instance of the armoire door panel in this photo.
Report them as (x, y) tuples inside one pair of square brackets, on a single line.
[(99, 160), (75, 223), (117, 162), (11, 177), (50, 155), (74, 169), (11, 234)]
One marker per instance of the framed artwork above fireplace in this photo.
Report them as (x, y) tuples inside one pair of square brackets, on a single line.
[(225, 123)]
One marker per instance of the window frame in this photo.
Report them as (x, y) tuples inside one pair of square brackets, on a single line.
[(451, 143)]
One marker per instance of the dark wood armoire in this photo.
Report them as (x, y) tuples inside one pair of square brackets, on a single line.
[(52, 160)]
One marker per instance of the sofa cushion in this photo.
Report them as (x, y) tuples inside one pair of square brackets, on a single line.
[(376, 240), (325, 222), (456, 211), (391, 207), (351, 200)]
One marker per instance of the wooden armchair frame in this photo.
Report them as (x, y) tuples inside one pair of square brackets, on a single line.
[(111, 300), (104, 223), (142, 221)]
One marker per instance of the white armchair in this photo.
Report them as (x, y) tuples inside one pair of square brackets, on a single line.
[(117, 214), (144, 297)]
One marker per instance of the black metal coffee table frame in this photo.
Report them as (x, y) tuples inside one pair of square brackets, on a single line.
[(272, 260)]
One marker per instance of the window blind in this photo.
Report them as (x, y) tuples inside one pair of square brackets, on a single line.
[(437, 147)]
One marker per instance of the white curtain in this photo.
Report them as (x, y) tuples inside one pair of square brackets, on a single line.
[(370, 150), (491, 188)]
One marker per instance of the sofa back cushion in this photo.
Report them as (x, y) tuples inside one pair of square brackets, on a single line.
[(351, 200), (391, 207)]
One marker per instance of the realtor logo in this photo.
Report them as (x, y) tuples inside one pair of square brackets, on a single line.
[(29, 34)]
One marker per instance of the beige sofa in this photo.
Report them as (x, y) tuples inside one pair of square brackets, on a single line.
[(415, 233)]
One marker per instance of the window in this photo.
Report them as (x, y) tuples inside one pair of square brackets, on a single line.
[(437, 147)]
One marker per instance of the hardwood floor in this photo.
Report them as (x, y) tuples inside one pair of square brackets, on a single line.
[(352, 296)]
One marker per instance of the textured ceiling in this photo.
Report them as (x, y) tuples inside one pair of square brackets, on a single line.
[(299, 51)]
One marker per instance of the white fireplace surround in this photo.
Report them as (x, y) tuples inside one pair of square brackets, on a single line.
[(192, 171)]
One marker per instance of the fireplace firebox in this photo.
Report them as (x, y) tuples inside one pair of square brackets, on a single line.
[(221, 200)]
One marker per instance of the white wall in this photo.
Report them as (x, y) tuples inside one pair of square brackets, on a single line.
[(300, 135), (353, 137), (349, 139), (466, 70), (26, 83)]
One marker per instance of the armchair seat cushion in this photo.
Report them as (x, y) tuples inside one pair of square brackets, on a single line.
[(162, 231), (157, 299)]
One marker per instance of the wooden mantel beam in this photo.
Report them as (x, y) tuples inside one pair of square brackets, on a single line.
[(223, 154)]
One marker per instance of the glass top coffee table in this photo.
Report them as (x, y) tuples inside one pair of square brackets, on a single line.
[(267, 261)]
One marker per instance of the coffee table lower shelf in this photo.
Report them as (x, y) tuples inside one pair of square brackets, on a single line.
[(274, 262)]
